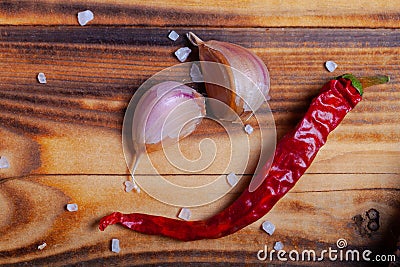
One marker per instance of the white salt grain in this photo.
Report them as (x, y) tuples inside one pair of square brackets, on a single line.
[(130, 185), (232, 179), (330, 66), (173, 35), (185, 214), (268, 227), (196, 74), (84, 17), (278, 245), (72, 207), (41, 77), (42, 246), (4, 164), (248, 129), (268, 98), (182, 53), (115, 245)]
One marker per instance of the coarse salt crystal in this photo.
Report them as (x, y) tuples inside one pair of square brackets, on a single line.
[(72, 207), (232, 179), (42, 246), (84, 17), (196, 74), (41, 77), (248, 129), (278, 245), (130, 185), (268, 97), (268, 227), (182, 53), (173, 35), (185, 214), (330, 66), (115, 245), (4, 164)]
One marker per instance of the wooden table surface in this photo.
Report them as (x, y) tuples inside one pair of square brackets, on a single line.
[(63, 138)]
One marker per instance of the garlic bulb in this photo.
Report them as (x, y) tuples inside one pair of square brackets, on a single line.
[(241, 71), (166, 113)]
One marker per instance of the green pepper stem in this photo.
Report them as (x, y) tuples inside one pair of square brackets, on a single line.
[(364, 82), (373, 80)]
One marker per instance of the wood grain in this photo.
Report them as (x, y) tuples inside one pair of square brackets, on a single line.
[(270, 13), (89, 86), (76, 233), (63, 140)]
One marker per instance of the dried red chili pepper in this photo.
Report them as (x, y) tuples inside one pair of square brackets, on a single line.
[(294, 154)]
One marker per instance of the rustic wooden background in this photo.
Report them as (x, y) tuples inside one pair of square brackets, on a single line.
[(63, 138)]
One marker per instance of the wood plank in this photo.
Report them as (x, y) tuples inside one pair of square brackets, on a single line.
[(338, 13), (92, 74), (314, 215), (63, 141)]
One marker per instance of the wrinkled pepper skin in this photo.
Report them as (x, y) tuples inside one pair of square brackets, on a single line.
[(294, 154)]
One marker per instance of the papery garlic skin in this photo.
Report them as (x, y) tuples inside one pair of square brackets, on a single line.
[(166, 113), (244, 73)]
